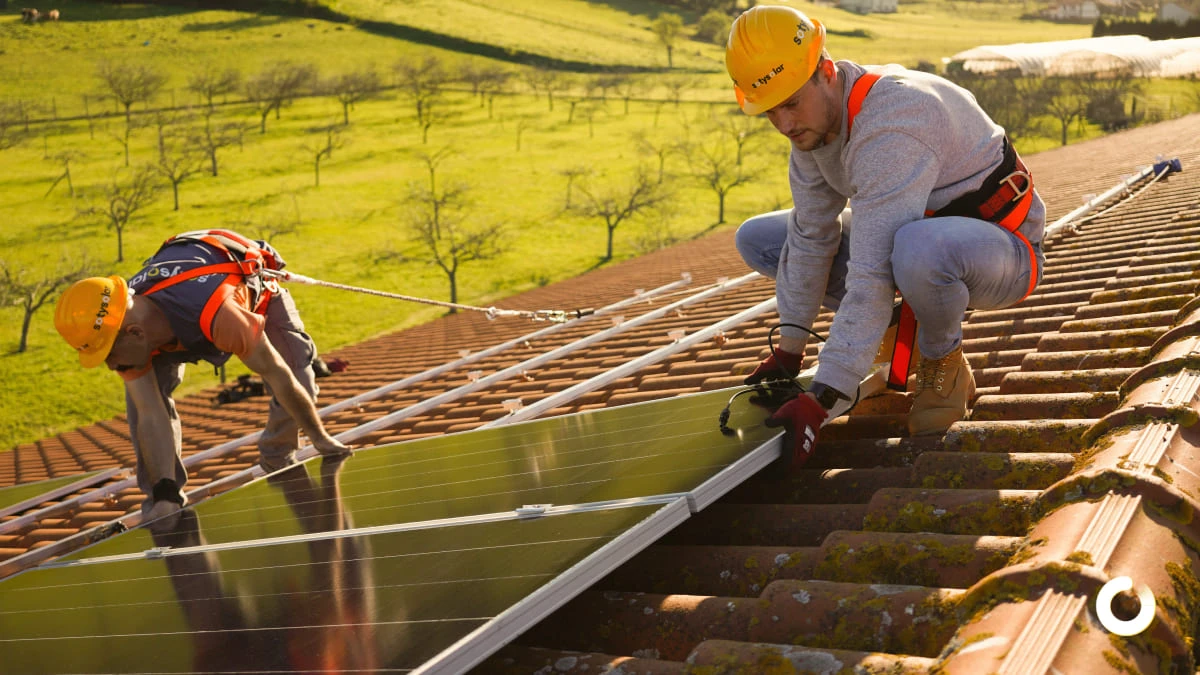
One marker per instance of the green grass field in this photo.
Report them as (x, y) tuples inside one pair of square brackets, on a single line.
[(358, 213)]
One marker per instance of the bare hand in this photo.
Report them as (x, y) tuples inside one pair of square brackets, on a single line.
[(331, 447)]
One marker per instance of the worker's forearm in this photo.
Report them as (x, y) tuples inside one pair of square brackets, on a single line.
[(296, 402)]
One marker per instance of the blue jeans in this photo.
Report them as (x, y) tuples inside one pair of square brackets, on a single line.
[(942, 267)]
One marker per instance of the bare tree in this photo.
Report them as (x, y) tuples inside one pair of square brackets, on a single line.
[(323, 147), (212, 137), (126, 134), (353, 87), (712, 163), (660, 148), (64, 158), (615, 202), (482, 76), (589, 112), (21, 287), (741, 129), (130, 83), (573, 174), (210, 83), (433, 160), (668, 28), (523, 124), (545, 80), (675, 87), (446, 232), (496, 83), (626, 87), (424, 82), (276, 86), (176, 163), (121, 200), (11, 133), (167, 122)]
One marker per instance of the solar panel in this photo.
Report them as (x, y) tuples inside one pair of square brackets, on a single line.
[(413, 556), (388, 601)]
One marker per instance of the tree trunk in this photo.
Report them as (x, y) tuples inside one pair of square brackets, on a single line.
[(720, 207), (24, 343), (120, 246), (213, 157), (453, 277), (670, 57), (317, 171), (263, 128), (608, 252), (346, 113), (175, 192)]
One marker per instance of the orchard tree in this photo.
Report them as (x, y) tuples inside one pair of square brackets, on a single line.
[(276, 86), (328, 138), (353, 87), (130, 83), (617, 202), (211, 82), (177, 162), (21, 286), (423, 83), (446, 233), (121, 200), (668, 28)]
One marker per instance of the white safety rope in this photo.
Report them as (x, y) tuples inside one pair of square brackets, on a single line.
[(552, 315)]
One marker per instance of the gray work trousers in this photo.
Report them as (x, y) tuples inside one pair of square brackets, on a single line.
[(280, 437)]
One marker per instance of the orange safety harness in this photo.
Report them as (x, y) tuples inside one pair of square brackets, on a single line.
[(1004, 199), (247, 262)]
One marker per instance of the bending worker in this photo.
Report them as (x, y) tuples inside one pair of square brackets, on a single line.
[(943, 212), (202, 296)]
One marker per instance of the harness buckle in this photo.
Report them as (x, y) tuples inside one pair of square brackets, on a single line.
[(1018, 191)]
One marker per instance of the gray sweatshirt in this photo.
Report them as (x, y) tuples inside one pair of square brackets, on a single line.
[(919, 142)]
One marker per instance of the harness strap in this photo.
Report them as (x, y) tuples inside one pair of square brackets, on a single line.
[(1006, 198), (250, 258)]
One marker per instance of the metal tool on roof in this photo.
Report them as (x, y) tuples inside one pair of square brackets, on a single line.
[(551, 315)]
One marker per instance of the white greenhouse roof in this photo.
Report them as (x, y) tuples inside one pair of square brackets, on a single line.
[(1117, 54)]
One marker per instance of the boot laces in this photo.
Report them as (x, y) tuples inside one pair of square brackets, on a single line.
[(931, 374)]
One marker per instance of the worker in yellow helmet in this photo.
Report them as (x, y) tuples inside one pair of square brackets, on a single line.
[(202, 296), (941, 209)]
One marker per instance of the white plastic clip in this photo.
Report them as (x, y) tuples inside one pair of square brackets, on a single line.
[(157, 552), (474, 375), (533, 510), (512, 405), (677, 334)]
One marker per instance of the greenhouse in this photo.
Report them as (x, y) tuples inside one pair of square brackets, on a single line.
[(1134, 55)]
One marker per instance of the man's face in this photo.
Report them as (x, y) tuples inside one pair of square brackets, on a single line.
[(811, 117), (130, 350)]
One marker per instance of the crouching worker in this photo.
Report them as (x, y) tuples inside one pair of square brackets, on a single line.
[(202, 296), (944, 211)]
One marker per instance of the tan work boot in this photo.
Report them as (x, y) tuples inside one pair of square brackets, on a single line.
[(944, 388)]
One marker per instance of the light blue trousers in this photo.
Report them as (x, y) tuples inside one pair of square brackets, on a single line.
[(942, 267)]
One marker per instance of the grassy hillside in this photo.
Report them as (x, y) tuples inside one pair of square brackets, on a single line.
[(349, 226)]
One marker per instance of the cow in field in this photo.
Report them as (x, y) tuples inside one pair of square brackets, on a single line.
[(53, 15), (29, 15)]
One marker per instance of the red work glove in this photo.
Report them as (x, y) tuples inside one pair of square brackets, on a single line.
[(801, 417), (773, 367)]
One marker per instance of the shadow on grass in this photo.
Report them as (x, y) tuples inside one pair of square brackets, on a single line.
[(244, 23)]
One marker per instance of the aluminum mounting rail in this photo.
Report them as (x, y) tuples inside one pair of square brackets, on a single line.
[(454, 394), (1158, 170), (629, 367), (229, 446)]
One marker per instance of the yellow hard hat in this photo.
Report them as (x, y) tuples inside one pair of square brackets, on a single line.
[(771, 53), (89, 316)]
